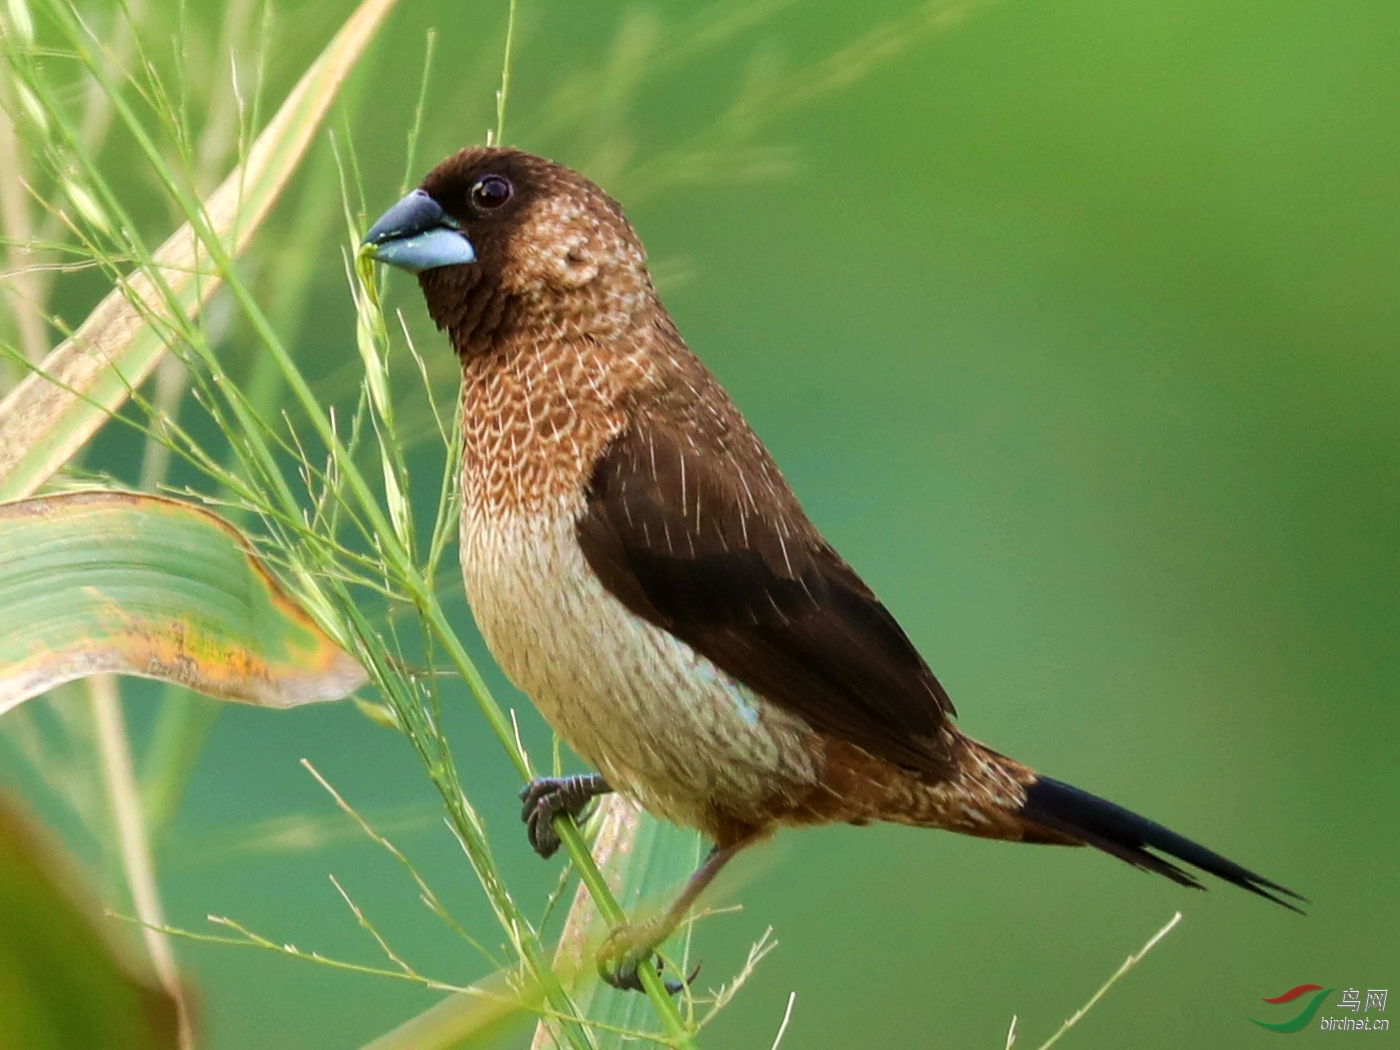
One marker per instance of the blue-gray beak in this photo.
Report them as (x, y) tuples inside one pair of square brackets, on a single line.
[(417, 235)]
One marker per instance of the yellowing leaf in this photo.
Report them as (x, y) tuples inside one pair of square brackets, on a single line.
[(143, 585), (52, 413)]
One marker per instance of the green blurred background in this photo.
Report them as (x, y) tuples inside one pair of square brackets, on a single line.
[(1073, 324)]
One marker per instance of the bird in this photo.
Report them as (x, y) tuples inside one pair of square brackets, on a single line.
[(640, 569)]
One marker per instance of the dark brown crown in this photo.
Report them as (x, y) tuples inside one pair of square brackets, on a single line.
[(558, 253)]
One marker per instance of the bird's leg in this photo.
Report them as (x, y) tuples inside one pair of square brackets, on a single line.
[(547, 797), (628, 945)]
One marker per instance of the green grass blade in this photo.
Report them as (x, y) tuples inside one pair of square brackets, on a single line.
[(144, 585), (467, 1019), (643, 861), (52, 413)]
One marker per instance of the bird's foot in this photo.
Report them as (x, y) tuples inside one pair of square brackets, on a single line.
[(547, 797), (627, 948)]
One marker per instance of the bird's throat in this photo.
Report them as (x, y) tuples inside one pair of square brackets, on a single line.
[(535, 417)]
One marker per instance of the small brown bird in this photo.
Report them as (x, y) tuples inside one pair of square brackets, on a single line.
[(641, 570)]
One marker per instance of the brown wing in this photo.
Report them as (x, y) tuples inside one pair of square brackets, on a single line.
[(690, 525)]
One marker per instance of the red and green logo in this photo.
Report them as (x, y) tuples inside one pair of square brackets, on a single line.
[(1298, 1023)]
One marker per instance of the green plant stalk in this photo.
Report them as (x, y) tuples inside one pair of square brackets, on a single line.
[(131, 833), (63, 424), (256, 410), (254, 444), (569, 835), (420, 591), (186, 720), (411, 152), (391, 547), (448, 1024), (133, 843), (504, 91)]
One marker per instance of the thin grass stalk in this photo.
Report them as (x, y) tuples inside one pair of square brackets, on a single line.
[(387, 539), (253, 440), (133, 845), (394, 544), (185, 719), (24, 290), (28, 287), (504, 93), (1128, 964), (419, 590), (58, 143)]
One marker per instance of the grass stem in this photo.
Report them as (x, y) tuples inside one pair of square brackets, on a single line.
[(504, 91), (1128, 964), (119, 775)]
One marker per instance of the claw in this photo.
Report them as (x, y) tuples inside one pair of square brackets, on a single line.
[(539, 829), (532, 792), (620, 959), (624, 974), (544, 798)]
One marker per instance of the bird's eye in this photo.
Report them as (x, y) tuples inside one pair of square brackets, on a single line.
[(491, 191)]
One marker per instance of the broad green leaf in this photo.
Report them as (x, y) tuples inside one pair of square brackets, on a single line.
[(144, 585), (644, 861), (466, 1019), (65, 981), (51, 413)]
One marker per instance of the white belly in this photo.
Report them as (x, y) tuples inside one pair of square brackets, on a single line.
[(660, 721)]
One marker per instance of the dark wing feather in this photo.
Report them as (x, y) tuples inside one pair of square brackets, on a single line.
[(690, 525)]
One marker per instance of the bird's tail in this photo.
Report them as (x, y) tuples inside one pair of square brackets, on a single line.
[(1078, 815)]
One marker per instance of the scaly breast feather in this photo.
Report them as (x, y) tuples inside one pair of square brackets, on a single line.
[(658, 719)]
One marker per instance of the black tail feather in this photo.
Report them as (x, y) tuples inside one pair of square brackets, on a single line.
[(1127, 836)]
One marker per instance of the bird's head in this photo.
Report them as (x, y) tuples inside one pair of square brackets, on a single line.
[(501, 239)]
